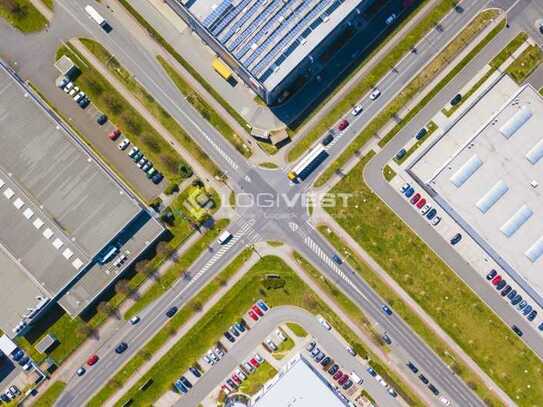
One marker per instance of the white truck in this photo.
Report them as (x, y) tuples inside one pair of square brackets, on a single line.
[(98, 19), (225, 237)]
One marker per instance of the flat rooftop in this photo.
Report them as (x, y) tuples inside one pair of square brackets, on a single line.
[(298, 385), (490, 177), (58, 207), (271, 37)]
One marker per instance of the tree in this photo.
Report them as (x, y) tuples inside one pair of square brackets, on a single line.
[(85, 330), (105, 308), (196, 306), (163, 249), (184, 170), (141, 266), (122, 287)]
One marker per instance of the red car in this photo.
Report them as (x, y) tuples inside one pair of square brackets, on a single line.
[(421, 203), (257, 310), (415, 198), (253, 315), (92, 360), (343, 125), (338, 374), (114, 135), (343, 379), (496, 280), (254, 363), (236, 379)]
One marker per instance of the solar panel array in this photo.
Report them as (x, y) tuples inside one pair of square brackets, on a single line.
[(262, 34)]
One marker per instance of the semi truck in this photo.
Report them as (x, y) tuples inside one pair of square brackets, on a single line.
[(308, 164), (98, 19)]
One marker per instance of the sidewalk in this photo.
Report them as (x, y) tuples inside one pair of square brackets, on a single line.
[(322, 217)]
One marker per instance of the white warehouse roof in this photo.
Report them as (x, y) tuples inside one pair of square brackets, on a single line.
[(492, 196), (466, 171), (516, 122), (535, 251), (516, 221), (535, 153)]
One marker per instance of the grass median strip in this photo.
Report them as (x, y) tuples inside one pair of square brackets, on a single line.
[(120, 112), (22, 15), (230, 308), (415, 86), (50, 396), (525, 64), (185, 313), (438, 290), (430, 128), (411, 318), (297, 330), (205, 109), (256, 380), (373, 77), (139, 92)]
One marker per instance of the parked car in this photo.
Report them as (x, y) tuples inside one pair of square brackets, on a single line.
[(357, 110), (74, 90), (326, 361), (431, 213), (526, 311), (338, 375), (257, 310), (185, 382), (455, 100), (540, 326), (194, 370), (83, 103), (372, 372), (254, 363), (101, 119), (248, 367), (92, 360), (225, 389), (262, 305), (240, 374), (491, 274), (157, 178), (333, 370), (516, 300), (121, 347), (147, 166), (80, 96), (501, 284), (229, 336), (421, 133), (23, 361), (324, 323), (400, 154), (327, 139), (234, 331), (512, 295), (181, 387), (114, 135), (310, 346), (241, 325), (415, 198), (259, 358), (271, 345), (343, 379), (280, 335), (171, 312), (253, 315), (436, 220), (456, 238), (516, 330), (532, 315), (320, 356), (425, 209), (496, 280), (133, 151), (522, 304), (390, 19), (231, 383), (375, 94), (68, 87), (409, 192), (506, 290), (343, 124), (421, 202), (412, 367), (404, 187)]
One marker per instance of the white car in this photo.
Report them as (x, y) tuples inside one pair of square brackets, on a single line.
[(390, 19), (134, 320), (79, 96), (271, 344), (74, 90), (68, 87), (324, 323), (219, 352), (248, 367), (425, 209), (436, 220), (259, 358), (281, 335), (444, 401), (133, 151), (240, 374), (209, 360), (213, 356), (375, 94), (124, 144), (357, 110)]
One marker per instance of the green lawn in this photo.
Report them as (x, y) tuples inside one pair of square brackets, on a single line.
[(525, 64), (255, 381), (376, 74), (388, 173), (150, 103), (430, 127), (205, 109), (49, 3), (297, 330), (50, 396), (125, 117), (22, 15), (184, 314), (416, 85), (439, 291), (283, 348), (231, 306), (411, 318)]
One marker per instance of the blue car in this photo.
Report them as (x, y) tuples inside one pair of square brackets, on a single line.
[(263, 306), (540, 327), (337, 259), (179, 386), (387, 310), (532, 315), (516, 300), (240, 327), (431, 213), (409, 191), (18, 354), (522, 304), (512, 294), (527, 310)]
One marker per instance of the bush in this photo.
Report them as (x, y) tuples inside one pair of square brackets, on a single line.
[(167, 216), (273, 282), (185, 171), (172, 188), (155, 203)]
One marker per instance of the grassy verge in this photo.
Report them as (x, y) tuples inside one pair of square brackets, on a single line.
[(297, 330), (268, 165), (158, 38), (438, 290), (275, 243), (184, 314), (254, 382), (411, 318), (125, 117), (51, 395), (22, 15), (49, 4), (231, 306), (283, 349), (178, 268), (139, 92), (525, 64), (430, 127), (373, 77), (388, 173), (205, 109), (415, 86)]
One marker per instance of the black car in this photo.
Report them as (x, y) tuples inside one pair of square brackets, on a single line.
[(386, 339), (506, 290), (83, 103), (347, 384), (157, 178), (326, 361), (372, 372), (231, 383), (517, 299), (228, 336), (234, 331), (433, 389), (422, 132), (23, 361), (516, 330), (333, 370), (400, 154), (423, 379), (412, 367), (337, 259), (491, 274), (171, 312), (455, 100), (387, 309), (121, 347), (185, 382), (456, 238), (327, 139), (194, 370), (501, 284), (101, 119)]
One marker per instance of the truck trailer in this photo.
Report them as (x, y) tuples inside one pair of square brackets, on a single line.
[(308, 164), (98, 19)]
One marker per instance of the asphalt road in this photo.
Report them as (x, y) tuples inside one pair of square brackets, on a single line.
[(245, 347), (283, 220), (522, 19)]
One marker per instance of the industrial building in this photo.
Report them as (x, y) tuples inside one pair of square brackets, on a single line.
[(271, 44), (486, 171), (68, 227), (298, 384)]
